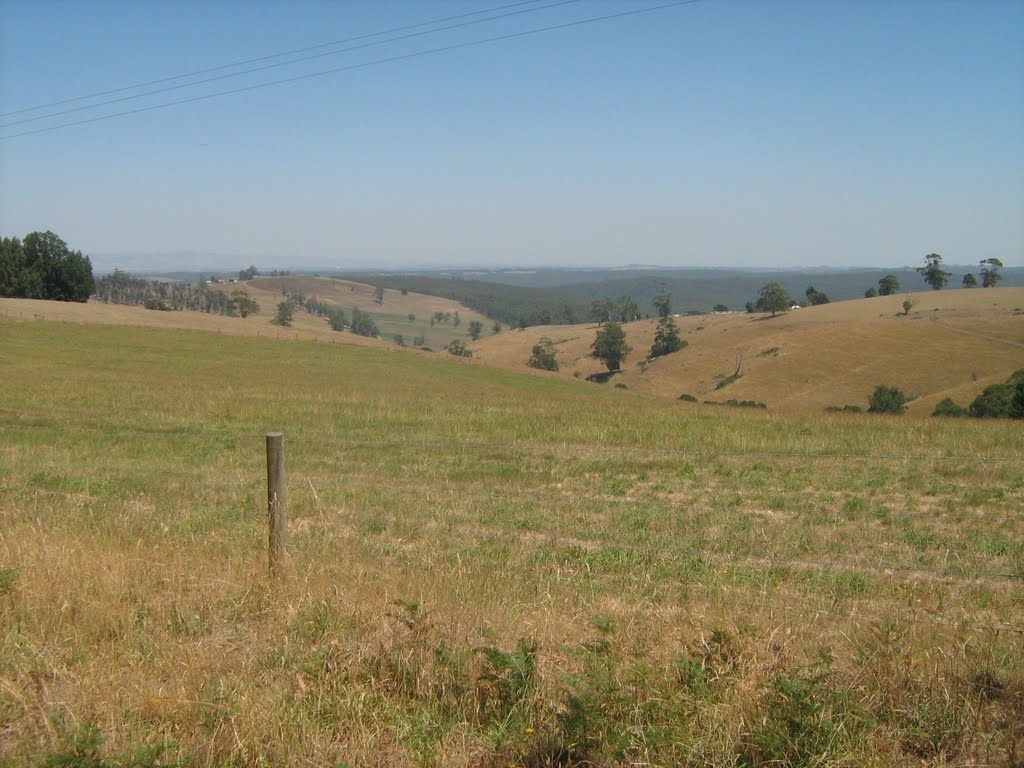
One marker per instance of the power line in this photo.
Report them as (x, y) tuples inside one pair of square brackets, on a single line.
[(281, 64), (263, 58), (363, 65)]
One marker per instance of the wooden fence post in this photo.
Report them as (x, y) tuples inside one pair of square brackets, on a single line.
[(276, 502)]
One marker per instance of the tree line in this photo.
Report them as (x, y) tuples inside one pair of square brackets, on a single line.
[(122, 288)]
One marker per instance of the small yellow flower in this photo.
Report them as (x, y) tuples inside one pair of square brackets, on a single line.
[(529, 730)]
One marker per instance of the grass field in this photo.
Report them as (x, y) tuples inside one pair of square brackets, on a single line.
[(486, 568)]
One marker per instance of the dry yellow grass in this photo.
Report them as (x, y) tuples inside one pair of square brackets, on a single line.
[(952, 344), (267, 292)]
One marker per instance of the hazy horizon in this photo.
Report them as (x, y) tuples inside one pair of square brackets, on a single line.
[(709, 133)]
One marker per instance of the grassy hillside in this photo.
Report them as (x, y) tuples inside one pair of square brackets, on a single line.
[(392, 317), (486, 568), (953, 343)]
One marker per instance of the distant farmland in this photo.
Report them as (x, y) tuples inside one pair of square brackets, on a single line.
[(486, 568)]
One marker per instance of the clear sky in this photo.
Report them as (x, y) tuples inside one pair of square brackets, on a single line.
[(712, 133)]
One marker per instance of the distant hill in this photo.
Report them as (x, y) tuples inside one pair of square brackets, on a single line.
[(952, 344), (530, 293)]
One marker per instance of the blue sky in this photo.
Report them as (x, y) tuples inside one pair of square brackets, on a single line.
[(714, 133)]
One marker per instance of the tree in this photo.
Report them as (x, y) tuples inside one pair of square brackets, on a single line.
[(815, 297), (666, 338), (870, 293), (243, 303), (610, 346), (663, 304), (285, 313), (933, 273), (475, 329), (627, 309), (378, 295), (720, 308), (43, 267), (887, 400), (412, 318), (990, 272), (248, 274), (11, 263), (496, 328), (456, 320), (908, 304), (336, 319), (543, 356), (363, 324), (773, 298), (602, 310), (888, 285), (970, 281)]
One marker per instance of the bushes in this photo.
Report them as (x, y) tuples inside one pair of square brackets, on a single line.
[(948, 408), (996, 402), (887, 400)]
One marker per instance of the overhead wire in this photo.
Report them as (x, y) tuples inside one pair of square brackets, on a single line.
[(275, 65), (350, 67), (268, 57)]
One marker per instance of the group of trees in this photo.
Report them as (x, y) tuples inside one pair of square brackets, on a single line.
[(513, 305), (937, 278), (43, 267), (622, 310), (122, 288), (997, 401)]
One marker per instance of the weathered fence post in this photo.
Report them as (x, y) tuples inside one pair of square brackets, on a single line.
[(276, 502)]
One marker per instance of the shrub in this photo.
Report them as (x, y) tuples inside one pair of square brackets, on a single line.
[(995, 402), (948, 408), (887, 400), (458, 348), (688, 398)]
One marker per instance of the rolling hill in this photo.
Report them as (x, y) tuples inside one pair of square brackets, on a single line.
[(952, 344)]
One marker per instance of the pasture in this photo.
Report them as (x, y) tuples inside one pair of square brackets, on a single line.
[(486, 568)]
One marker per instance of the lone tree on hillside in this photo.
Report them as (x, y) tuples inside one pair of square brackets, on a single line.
[(887, 400), (990, 272), (476, 328), (378, 295), (285, 313), (543, 356), (888, 285), (610, 346), (970, 281), (773, 298), (933, 273), (243, 303), (666, 338)]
